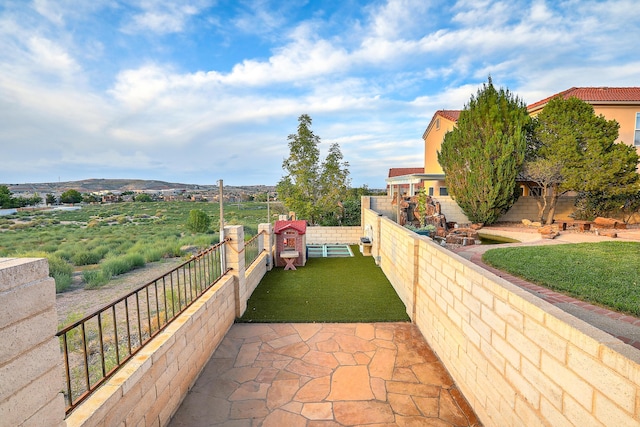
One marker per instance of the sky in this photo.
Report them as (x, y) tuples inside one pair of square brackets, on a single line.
[(194, 91)]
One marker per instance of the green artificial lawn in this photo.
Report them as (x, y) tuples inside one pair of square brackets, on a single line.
[(605, 273), (350, 289)]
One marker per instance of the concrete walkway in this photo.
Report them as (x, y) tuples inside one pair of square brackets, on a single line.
[(622, 326), (314, 375)]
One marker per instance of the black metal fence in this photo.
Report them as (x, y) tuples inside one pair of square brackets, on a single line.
[(97, 345)]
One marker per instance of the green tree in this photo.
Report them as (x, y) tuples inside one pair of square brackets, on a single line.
[(583, 153), (483, 155), (198, 221), (334, 184), (311, 190), (51, 199), (143, 197), (7, 201), (71, 196)]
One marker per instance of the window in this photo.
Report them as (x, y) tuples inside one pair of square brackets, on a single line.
[(438, 123), (636, 139), (431, 191), (444, 191)]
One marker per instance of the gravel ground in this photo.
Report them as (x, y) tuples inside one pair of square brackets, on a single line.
[(80, 302)]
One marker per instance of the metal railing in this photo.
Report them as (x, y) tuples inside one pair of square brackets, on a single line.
[(100, 343), (252, 249)]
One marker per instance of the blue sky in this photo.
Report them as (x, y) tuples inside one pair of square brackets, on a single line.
[(193, 91)]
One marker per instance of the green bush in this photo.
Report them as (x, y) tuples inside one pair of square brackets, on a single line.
[(121, 264), (86, 258), (198, 221), (94, 279)]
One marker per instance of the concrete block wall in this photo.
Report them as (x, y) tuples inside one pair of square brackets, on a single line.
[(518, 360), (31, 372), (527, 208), (382, 204), (328, 235), (149, 389)]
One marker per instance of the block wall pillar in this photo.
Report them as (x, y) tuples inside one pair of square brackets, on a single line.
[(31, 364), (234, 257), (266, 242)]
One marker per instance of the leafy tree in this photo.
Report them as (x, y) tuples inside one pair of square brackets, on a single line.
[(312, 191), (51, 199), (71, 196), (90, 198), (483, 155), (143, 197), (334, 183), (7, 200), (585, 157), (198, 221)]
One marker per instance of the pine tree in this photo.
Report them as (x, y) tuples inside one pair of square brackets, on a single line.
[(483, 155)]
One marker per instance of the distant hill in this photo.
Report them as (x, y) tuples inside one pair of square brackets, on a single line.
[(119, 185)]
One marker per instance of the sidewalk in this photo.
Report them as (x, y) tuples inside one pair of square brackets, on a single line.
[(622, 326)]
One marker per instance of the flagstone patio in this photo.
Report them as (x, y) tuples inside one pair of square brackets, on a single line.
[(313, 375)]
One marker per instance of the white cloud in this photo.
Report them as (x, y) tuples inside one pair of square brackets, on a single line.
[(163, 17)]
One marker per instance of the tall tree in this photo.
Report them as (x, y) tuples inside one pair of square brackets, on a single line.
[(71, 196), (334, 184), (582, 148), (308, 188), (482, 156)]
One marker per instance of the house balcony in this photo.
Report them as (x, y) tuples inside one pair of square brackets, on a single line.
[(515, 359)]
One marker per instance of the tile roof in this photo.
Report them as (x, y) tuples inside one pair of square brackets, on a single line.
[(299, 225), (595, 95), (404, 171), (452, 115)]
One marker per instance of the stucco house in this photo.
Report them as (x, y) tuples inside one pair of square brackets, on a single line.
[(614, 103)]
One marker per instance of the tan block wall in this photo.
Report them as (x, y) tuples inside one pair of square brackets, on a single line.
[(31, 373), (150, 387), (328, 235), (518, 360), (527, 208)]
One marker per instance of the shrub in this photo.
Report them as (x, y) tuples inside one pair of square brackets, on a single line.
[(86, 258), (94, 279), (122, 264), (198, 221)]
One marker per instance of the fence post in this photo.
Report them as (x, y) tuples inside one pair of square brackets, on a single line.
[(30, 353), (235, 261), (266, 242)]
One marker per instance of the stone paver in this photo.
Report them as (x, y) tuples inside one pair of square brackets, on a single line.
[(307, 375)]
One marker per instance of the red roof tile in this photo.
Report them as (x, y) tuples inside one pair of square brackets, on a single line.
[(404, 171), (452, 115), (299, 225), (595, 95)]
